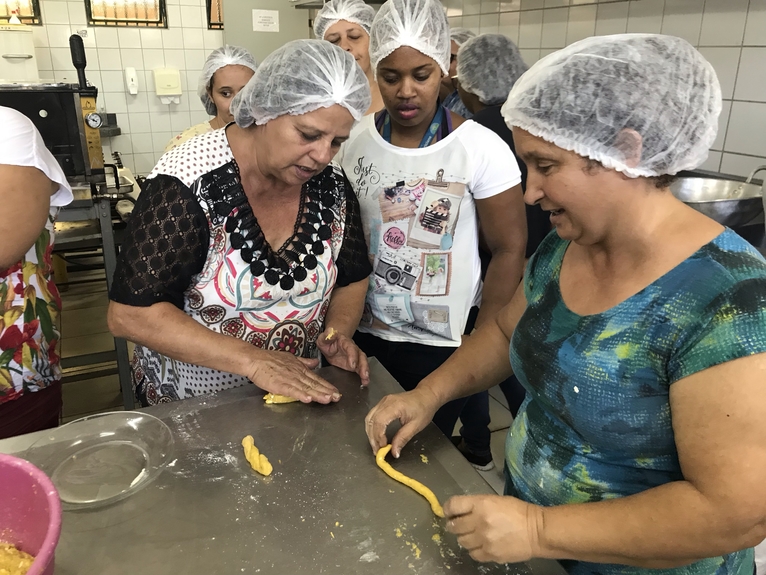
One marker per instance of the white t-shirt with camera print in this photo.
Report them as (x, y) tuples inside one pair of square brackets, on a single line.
[(421, 227)]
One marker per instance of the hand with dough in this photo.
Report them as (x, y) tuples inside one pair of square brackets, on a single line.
[(341, 351)]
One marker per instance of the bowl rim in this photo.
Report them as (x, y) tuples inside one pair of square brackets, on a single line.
[(53, 533)]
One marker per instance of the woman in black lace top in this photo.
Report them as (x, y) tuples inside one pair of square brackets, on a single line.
[(245, 250)]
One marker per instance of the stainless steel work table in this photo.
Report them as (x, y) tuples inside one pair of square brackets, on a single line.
[(326, 508)]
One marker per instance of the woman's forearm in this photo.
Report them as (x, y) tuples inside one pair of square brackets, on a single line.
[(671, 525), (346, 307), (169, 331), (479, 363)]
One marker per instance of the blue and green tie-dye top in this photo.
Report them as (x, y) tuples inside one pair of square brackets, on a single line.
[(596, 422)]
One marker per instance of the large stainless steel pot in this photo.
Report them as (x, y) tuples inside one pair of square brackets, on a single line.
[(728, 202)]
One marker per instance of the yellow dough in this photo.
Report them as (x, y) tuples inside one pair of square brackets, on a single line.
[(330, 335), (380, 459), (255, 458), (275, 398)]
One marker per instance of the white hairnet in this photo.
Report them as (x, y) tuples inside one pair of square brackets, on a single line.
[(488, 66), (461, 35), (218, 58), (595, 95), (300, 77), (419, 24), (334, 11)]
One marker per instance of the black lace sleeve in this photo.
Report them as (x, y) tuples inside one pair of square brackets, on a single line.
[(165, 245), (353, 261)]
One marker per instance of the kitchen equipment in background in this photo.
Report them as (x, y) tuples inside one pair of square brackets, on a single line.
[(103, 458), (731, 203), (18, 61), (67, 118), (30, 512)]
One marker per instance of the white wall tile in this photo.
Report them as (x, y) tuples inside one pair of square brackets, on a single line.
[(725, 62), (138, 103), (190, 83), (140, 122), (127, 161), (88, 38), (173, 39), (612, 18), (471, 7), (554, 28), (174, 16), (132, 57), (212, 39), (739, 165), (199, 116), (43, 56), (47, 76), (488, 24), (110, 59), (646, 16), (92, 59), (161, 121), (191, 3), (723, 22), (130, 38), (747, 129), (151, 39), (194, 41), (58, 35), (40, 37), (116, 103), (179, 121), (142, 143), (723, 124), (153, 59), (490, 6), (510, 5), (532, 4), (175, 59), (55, 13), (454, 7), (455, 21), (195, 59), (582, 23), (112, 81), (530, 56), (160, 141), (509, 25), (530, 29), (472, 22), (191, 17), (546, 51), (106, 37), (65, 76), (144, 163), (713, 162), (755, 29), (683, 18), (61, 59), (77, 16), (751, 78)]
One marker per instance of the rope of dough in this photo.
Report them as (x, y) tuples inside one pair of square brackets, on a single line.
[(276, 398), (380, 459), (255, 458)]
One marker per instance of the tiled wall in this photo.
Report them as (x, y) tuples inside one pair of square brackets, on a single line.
[(731, 34), (147, 124)]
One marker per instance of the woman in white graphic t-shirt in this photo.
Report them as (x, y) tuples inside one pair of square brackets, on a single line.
[(427, 180)]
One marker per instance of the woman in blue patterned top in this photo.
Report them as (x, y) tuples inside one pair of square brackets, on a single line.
[(639, 334)]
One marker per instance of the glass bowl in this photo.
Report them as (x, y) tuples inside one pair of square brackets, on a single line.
[(103, 458)]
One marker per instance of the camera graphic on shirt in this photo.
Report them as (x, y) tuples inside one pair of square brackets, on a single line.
[(397, 271)]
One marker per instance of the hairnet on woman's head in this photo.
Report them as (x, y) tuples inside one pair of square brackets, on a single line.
[(641, 104), (355, 11), (419, 24), (461, 35), (488, 67), (300, 77), (218, 58)]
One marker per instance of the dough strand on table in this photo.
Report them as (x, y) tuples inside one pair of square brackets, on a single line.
[(330, 335), (255, 458), (276, 398), (380, 459)]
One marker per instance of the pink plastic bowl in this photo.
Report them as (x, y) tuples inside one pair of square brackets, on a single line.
[(30, 512)]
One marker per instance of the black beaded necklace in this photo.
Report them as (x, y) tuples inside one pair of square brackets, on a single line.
[(283, 266)]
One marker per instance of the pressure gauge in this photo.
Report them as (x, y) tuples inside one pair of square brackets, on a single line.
[(94, 121)]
